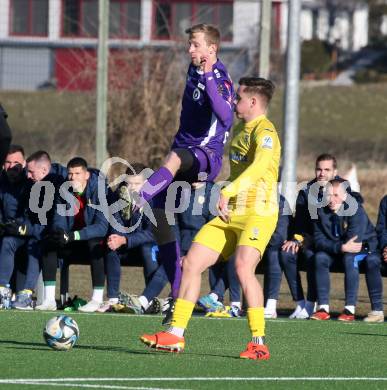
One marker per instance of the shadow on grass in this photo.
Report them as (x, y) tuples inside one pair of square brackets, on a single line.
[(43, 347), (364, 334)]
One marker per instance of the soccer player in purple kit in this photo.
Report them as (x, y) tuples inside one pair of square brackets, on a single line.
[(205, 120)]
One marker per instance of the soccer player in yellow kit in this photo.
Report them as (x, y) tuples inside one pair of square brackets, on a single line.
[(248, 212)]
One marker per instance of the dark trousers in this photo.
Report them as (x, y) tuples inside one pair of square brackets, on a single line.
[(276, 262), (371, 264), (114, 259), (222, 276), (10, 246), (91, 251), (290, 263)]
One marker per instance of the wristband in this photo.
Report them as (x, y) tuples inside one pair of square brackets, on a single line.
[(299, 239)]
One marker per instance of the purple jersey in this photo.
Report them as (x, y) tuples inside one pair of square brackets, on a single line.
[(207, 109)]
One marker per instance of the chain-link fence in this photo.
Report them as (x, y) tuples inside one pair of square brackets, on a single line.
[(48, 64)]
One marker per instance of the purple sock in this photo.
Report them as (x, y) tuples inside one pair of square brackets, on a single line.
[(160, 180), (169, 256)]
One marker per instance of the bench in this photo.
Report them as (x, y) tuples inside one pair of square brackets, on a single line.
[(137, 262)]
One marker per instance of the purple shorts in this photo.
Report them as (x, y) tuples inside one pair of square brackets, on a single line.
[(205, 161)]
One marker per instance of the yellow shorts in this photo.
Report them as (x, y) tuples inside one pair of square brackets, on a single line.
[(249, 230)]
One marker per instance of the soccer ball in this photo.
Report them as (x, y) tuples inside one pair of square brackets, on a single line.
[(61, 333)]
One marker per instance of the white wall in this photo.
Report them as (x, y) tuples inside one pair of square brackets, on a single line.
[(24, 68), (284, 25), (54, 19), (383, 27), (360, 28), (4, 18), (246, 22), (146, 20), (322, 24), (339, 31), (306, 24)]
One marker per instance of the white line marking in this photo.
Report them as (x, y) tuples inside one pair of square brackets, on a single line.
[(189, 379), (85, 385)]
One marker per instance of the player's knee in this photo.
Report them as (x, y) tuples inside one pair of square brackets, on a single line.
[(244, 268), (173, 161), (190, 265)]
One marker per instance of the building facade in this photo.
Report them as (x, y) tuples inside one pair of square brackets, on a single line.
[(49, 42)]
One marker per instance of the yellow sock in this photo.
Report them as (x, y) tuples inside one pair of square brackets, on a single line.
[(256, 320), (182, 313)]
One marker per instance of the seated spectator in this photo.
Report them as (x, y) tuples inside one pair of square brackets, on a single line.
[(78, 232), (381, 228), (300, 248), (14, 191), (39, 168), (138, 244), (274, 267), (347, 239)]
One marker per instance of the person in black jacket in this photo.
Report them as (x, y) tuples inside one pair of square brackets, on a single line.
[(14, 190), (77, 232), (300, 247), (5, 136), (137, 244), (344, 233), (38, 217), (381, 228)]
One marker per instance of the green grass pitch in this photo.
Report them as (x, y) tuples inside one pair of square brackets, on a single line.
[(108, 355)]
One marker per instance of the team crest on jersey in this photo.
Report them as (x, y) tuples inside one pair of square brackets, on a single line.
[(196, 94), (267, 142), (254, 234)]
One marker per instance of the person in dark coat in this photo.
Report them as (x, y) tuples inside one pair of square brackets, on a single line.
[(344, 234)]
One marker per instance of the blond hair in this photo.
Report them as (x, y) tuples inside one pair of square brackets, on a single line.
[(211, 33)]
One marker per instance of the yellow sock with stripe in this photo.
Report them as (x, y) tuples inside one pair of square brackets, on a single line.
[(181, 315), (256, 321)]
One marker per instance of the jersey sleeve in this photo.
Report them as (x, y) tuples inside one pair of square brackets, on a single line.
[(265, 144), (221, 95)]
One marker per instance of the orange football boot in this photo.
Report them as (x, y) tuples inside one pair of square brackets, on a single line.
[(255, 352), (164, 341)]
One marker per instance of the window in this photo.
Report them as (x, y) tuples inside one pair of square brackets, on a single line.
[(80, 18), (173, 17), (29, 17)]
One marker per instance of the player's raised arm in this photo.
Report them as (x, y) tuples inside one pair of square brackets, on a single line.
[(218, 84), (220, 94)]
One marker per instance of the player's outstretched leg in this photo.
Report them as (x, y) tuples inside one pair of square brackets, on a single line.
[(198, 259), (172, 340)]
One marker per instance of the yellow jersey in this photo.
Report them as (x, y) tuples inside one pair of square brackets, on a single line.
[(255, 154)]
